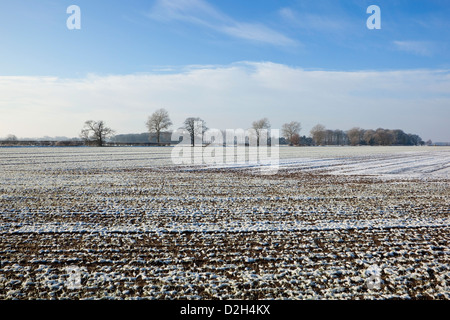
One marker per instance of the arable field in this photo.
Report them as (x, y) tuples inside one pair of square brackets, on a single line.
[(331, 223)]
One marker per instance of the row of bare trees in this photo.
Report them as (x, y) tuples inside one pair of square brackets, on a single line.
[(160, 121), (96, 132), (358, 136), (196, 126), (322, 136), (385, 137)]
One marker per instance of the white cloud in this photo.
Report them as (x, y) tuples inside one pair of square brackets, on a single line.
[(421, 48), (201, 13), (230, 96), (324, 23)]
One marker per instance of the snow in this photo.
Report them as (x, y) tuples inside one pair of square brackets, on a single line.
[(140, 227)]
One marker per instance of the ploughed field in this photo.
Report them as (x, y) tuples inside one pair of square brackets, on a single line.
[(134, 225)]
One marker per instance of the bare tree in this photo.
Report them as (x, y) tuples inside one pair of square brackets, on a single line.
[(259, 126), (195, 127), (383, 137), (158, 121), (355, 135), (290, 129), (295, 139), (318, 133), (96, 132), (329, 137), (369, 137), (340, 137)]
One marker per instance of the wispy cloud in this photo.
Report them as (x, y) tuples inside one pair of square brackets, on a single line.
[(203, 14), (313, 22), (334, 22), (421, 48)]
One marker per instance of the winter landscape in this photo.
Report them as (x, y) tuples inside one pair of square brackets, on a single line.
[(126, 223), (184, 151)]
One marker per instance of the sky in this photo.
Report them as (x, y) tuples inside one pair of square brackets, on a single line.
[(229, 62)]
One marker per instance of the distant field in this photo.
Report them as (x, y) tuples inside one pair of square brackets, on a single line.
[(137, 226)]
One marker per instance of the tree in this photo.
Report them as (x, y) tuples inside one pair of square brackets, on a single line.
[(329, 137), (291, 129), (383, 137), (339, 137), (369, 137), (415, 140), (96, 132), (195, 127), (399, 137), (355, 135), (158, 121), (295, 139), (318, 133), (11, 137), (259, 126), (306, 141)]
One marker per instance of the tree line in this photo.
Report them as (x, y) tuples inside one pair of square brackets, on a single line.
[(358, 136), (96, 132)]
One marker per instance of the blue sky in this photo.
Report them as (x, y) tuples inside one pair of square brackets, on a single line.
[(314, 61)]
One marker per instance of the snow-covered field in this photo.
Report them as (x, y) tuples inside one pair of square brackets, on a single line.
[(134, 225)]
